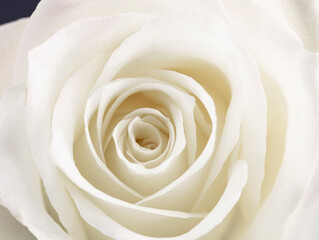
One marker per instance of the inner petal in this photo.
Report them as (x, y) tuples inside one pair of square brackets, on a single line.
[(155, 118), (143, 180), (144, 140)]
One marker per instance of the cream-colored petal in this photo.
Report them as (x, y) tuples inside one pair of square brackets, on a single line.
[(117, 224), (238, 175), (20, 189), (11, 229), (132, 230), (294, 70), (10, 37), (51, 16), (301, 16), (303, 222)]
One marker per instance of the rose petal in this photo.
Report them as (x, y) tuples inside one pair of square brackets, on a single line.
[(11, 229), (297, 79), (96, 176), (20, 190), (51, 16), (116, 221), (10, 37), (102, 222), (301, 16), (303, 222), (276, 132)]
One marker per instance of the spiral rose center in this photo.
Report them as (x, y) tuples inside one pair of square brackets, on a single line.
[(145, 138), (144, 135), (145, 143)]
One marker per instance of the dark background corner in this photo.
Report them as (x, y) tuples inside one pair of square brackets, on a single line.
[(11, 10)]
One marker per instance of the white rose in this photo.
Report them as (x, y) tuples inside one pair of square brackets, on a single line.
[(161, 120)]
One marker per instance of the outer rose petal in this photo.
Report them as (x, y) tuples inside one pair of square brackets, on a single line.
[(11, 229), (10, 35), (281, 56), (301, 16), (50, 16), (203, 230), (304, 222), (20, 189)]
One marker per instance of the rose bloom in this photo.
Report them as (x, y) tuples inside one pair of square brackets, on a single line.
[(161, 119)]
